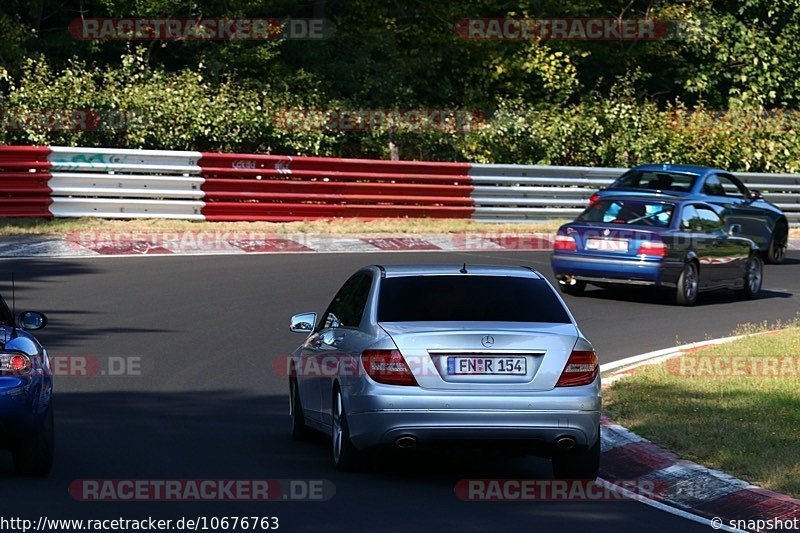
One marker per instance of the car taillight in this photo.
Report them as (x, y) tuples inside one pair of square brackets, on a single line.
[(593, 199), (14, 363), (582, 367), (387, 366), (565, 243), (652, 248)]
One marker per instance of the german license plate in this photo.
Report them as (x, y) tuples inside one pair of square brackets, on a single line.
[(482, 366), (607, 245)]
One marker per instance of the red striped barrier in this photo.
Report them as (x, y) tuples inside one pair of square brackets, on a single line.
[(280, 188), (354, 199), (41, 181), (24, 183), (283, 212), (27, 153), (293, 163), (336, 175), (222, 186), (24, 177)]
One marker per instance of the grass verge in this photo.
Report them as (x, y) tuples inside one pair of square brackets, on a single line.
[(32, 226), (342, 226), (734, 407)]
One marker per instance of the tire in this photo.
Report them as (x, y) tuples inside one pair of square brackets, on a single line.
[(346, 457), (753, 278), (584, 464), (34, 456), (299, 429), (776, 252), (688, 283), (575, 289)]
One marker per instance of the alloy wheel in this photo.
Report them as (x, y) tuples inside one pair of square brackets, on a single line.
[(754, 275), (337, 426), (690, 282)]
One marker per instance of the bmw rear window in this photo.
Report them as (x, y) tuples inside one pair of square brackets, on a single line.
[(657, 180), (468, 298), (632, 212)]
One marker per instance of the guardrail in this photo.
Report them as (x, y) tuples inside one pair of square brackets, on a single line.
[(276, 188), (515, 193), (114, 183)]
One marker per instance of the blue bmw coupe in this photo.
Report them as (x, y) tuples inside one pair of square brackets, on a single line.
[(762, 222), (26, 393), (681, 245)]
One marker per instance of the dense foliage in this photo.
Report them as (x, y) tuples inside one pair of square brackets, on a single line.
[(720, 89)]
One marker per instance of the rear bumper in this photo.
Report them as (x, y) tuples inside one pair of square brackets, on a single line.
[(380, 418), (628, 271)]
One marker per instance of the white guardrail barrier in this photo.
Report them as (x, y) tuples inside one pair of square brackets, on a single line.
[(508, 193), (111, 183), (116, 183)]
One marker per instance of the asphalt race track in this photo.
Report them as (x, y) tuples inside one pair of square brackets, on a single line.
[(209, 405)]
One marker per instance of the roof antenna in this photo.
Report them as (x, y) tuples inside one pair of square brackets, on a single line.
[(13, 307), (463, 269)]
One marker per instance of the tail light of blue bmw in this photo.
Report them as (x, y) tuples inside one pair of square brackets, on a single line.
[(26, 394)]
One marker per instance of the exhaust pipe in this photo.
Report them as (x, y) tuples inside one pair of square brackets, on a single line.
[(406, 442), (564, 443)]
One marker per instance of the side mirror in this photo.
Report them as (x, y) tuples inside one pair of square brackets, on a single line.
[(756, 195), (303, 323), (32, 320), (735, 229)]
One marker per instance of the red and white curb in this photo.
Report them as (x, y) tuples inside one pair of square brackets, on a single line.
[(93, 244), (683, 488), (206, 242)]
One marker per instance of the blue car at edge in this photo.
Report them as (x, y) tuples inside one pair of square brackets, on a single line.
[(679, 245), (762, 222), (26, 393)]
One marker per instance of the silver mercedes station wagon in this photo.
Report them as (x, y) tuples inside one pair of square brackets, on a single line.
[(418, 355)]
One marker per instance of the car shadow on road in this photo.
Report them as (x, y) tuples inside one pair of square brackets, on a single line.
[(656, 297), (223, 434), (30, 272), (226, 435)]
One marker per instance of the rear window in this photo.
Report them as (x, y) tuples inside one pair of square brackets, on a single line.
[(656, 180), (468, 298), (632, 212)]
